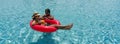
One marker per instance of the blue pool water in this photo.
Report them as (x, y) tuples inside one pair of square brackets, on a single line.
[(95, 21)]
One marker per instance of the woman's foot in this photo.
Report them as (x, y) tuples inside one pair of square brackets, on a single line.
[(68, 27)]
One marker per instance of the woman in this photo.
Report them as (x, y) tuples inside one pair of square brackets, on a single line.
[(38, 21), (48, 15)]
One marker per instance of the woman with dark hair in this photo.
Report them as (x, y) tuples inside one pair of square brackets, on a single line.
[(48, 15)]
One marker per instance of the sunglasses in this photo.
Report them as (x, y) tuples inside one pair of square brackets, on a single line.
[(37, 16)]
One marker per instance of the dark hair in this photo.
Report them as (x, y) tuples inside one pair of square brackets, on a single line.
[(34, 15), (47, 11)]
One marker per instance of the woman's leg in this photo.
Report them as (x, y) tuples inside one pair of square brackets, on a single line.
[(66, 27)]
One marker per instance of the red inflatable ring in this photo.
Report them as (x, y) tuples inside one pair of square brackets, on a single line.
[(42, 28)]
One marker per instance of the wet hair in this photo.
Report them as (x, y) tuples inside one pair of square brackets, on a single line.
[(34, 15), (47, 11)]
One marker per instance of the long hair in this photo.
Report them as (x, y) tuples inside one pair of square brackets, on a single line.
[(33, 17)]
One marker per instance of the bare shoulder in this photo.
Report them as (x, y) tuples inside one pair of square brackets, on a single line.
[(33, 22)]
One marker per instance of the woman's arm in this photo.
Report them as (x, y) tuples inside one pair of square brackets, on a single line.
[(33, 23)]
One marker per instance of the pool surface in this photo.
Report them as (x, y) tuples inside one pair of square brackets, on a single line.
[(95, 21)]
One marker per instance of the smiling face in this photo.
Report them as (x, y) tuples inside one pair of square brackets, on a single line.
[(36, 16)]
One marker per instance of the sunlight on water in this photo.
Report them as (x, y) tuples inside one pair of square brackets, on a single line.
[(95, 21)]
